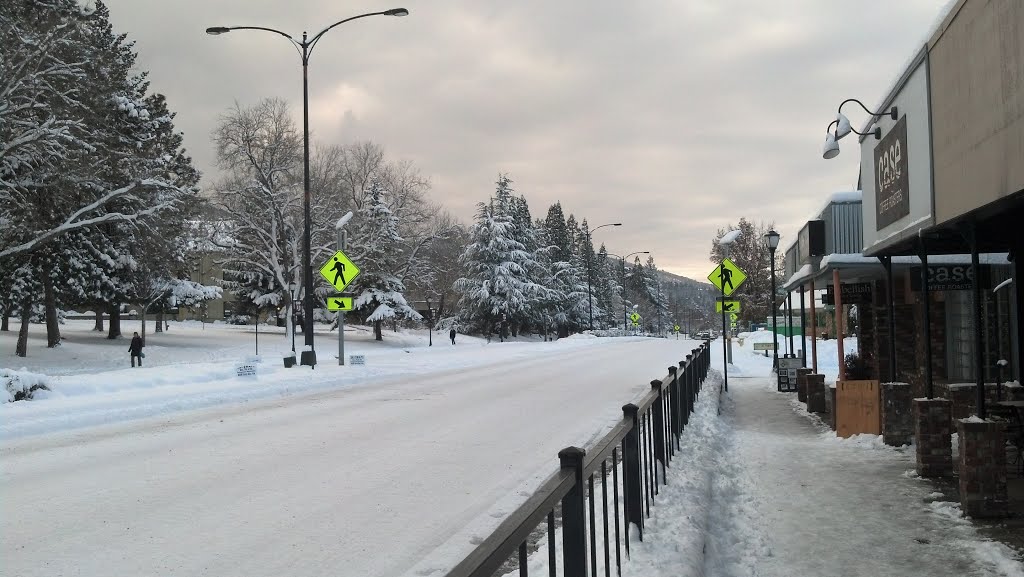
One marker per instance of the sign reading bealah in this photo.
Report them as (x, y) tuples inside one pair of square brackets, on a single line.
[(853, 293), (892, 181)]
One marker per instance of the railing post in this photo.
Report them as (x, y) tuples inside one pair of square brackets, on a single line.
[(658, 412), (677, 422), (691, 380), (631, 482), (574, 521), (699, 353)]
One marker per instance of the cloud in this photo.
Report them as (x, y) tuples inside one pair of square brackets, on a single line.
[(675, 118)]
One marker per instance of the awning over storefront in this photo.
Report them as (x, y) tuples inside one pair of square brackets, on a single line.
[(860, 268)]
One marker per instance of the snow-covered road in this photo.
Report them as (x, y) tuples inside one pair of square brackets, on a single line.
[(363, 481)]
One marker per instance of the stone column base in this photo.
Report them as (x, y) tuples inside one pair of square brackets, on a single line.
[(982, 462), (801, 384), (816, 391), (897, 422), (932, 434)]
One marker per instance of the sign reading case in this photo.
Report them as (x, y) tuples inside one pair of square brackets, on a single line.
[(951, 277), (892, 182)]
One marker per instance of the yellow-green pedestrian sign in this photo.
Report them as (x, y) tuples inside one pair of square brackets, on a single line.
[(727, 277), (727, 306), (734, 317), (677, 328), (635, 317), (339, 271), (339, 303)]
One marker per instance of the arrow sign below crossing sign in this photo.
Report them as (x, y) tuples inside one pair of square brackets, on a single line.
[(727, 306), (339, 303)]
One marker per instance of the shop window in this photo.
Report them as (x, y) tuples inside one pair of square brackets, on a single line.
[(959, 336)]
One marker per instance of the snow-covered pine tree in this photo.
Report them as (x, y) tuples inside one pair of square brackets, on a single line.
[(606, 288), (99, 174), (497, 286), (377, 247)]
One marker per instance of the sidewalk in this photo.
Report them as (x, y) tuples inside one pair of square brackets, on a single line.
[(831, 507)]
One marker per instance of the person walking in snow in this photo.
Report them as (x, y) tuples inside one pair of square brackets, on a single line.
[(451, 335), (136, 349)]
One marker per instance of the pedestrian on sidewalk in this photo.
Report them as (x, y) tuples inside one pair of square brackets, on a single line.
[(451, 335), (136, 349)]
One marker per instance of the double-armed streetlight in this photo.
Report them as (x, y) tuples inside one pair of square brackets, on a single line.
[(771, 240), (623, 259), (590, 297), (305, 47)]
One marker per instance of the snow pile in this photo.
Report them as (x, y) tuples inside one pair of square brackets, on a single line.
[(993, 556), (22, 384)]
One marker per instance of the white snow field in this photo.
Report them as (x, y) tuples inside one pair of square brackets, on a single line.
[(366, 475)]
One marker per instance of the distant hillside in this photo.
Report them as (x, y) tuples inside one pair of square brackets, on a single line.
[(667, 276)]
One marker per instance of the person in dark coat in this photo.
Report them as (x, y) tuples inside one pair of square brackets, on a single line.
[(451, 335), (136, 349)]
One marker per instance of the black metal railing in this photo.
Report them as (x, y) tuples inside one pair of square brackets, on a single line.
[(635, 454)]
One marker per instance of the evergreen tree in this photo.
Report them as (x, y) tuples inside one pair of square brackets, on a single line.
[(497, 288), (377, 246)]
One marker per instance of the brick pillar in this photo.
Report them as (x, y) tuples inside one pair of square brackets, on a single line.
[(932, 432), (816, 393), (982, 462), (897, 422), (801, 384)]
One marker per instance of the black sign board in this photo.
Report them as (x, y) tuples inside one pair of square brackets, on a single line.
[(951, 277), (811, 241), (892, 182), (853, 293)]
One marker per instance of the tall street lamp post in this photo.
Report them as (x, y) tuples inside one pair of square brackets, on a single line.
[(590, 297), (305, 47), (771, 239), (623, 259)]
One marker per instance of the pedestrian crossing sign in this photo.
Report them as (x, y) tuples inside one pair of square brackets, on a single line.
[(635, 317), (727, 277), (339, 271)]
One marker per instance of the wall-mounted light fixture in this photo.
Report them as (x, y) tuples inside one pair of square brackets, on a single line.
[(843, 127)]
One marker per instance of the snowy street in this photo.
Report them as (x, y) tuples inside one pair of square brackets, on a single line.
[(370, 479)]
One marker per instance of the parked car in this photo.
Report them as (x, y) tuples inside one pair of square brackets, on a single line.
[(702, 335)]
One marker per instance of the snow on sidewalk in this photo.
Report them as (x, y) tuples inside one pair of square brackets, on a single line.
[(764, 491), (844, 507)]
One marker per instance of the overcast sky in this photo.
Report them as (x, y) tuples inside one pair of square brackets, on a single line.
[(675, 117)]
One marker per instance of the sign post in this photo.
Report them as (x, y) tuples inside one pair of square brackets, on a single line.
[(340, 272), (727, 277)]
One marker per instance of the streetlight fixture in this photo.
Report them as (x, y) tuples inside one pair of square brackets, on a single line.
[(843, 127), (305, 47), (623, 259), (771, 239), (590, 296)]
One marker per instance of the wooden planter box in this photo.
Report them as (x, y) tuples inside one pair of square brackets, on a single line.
[(858, 408)]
